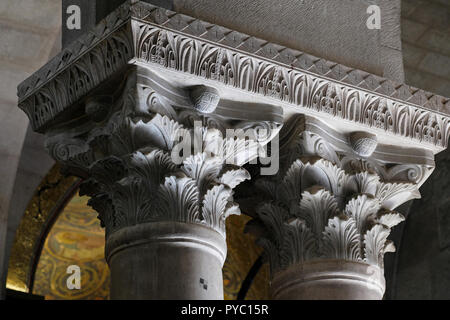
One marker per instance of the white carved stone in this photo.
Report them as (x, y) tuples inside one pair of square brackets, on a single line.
[(329, 216), (205, 99), (363, 143), (330, 280), (152, 197), (118, 101)]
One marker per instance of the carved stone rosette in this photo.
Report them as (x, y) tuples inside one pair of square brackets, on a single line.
[(325, 229), (160, 168)]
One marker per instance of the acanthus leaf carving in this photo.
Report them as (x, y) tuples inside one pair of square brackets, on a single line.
[(375, 241), (341, 239), (202, 169), (389, 218), (217, 206), (138, 174), (362, 209), (299, 244), (345, 211), (316, 208), (232, 176), (178, 200), (392, 195), (130, 201), (151, 167)]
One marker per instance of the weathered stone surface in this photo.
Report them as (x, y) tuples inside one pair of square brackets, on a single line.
[(423, 269), (32, 13), (8, 87), (412, 55), (443, 217), (437, 64), (427, 80), (41, 14), (432, 13), (266, 76), (411, 30), (426, 44), (437, 40), (92, 12), (10, 36)]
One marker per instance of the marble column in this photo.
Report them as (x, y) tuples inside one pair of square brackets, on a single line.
[(331, 211)]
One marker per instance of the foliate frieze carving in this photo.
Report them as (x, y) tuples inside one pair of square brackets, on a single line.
[(113, 26), (179, 52), (148, 160), (186, 44), (63, 89), (277, 54)]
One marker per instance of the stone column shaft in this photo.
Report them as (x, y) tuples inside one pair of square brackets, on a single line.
[(166, 260), (329, 280)]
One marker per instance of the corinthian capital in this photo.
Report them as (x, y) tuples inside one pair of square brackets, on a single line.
[(157, 152), (158, 112), (334, 198)]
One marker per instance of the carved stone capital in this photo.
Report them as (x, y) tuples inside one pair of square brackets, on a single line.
[(141, 108), (149, 154), (333, 199)]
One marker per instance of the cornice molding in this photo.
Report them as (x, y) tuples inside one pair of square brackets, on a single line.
[(142, 33)]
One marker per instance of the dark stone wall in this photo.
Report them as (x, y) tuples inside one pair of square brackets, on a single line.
[(426, 44), (423, 261), (421, 267), (92, 12)]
